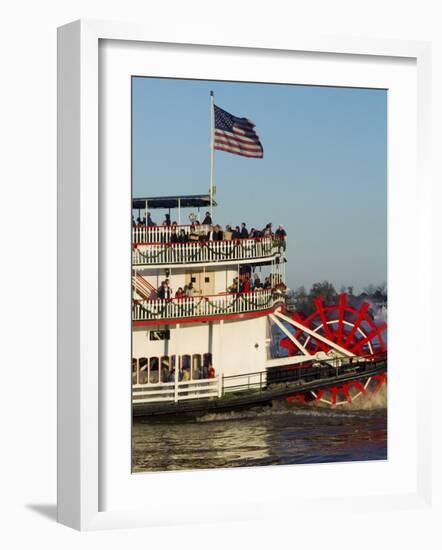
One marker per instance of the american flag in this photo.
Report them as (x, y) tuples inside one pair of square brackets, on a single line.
[(236, 135)]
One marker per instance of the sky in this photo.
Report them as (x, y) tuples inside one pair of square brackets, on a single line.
[(323, 175)]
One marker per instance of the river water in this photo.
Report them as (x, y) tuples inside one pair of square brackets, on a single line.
[(259, 437)]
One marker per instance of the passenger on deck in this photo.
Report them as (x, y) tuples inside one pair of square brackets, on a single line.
[(206, 364), (185, 376), (208, 219), (167, 220), (233, 288), (167, 290), (182, 237), (268, 230), (161, 291), (180, 293), (219, 233), (280, 233), (244, 233), (174, 235), (150, 222), (228, 233), (210, 236), (236, 234), (211, 372), (190, 290), (246, 283), (256, 281), (193, 235)]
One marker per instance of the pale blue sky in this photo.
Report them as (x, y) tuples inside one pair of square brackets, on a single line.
[(323, 176)]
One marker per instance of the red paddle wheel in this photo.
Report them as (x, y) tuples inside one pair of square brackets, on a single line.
[(350, 327)]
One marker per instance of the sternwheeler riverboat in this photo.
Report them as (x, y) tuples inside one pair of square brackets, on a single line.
[(212, 330)]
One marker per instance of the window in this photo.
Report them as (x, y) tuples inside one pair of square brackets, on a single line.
[(153, 370), (163, 375), (135, 371), (143, 371), (159, 335)]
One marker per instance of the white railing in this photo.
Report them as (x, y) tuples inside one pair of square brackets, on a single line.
[(180, 391), (163, 233), (205, 251), (206, 306)]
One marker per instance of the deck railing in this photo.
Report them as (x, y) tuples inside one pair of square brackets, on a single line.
[(205, 251), (180, 391), (205, 306), (163, 233), (255, 381)]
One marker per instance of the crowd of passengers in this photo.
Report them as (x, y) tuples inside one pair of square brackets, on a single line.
[(198, 372), (244, 283), (215, 232)]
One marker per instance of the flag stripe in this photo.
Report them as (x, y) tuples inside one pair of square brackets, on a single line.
[(236, 146), (240, 152), (220, 134)]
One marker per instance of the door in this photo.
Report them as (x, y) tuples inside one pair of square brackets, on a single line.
[(203, 282)]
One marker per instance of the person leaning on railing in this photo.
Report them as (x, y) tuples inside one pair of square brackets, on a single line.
[(210, 235), (174, 235), (281, 234), (236, 233), (267, 232), (246, 284), (244, 234), (218, 233), (189, 290), (193, 235)]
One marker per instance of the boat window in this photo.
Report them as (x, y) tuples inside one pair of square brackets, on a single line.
[(143, 370), (165, 369), (153, 370), (196, 372), (135, 371)]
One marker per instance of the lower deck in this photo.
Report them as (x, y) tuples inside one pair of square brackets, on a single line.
[(259, 388)]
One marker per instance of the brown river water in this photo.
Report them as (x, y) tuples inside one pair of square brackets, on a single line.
[(260, 437)]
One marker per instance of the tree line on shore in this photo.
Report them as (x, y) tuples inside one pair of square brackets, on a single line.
[(302, 300)]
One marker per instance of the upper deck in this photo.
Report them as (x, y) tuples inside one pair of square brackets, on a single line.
[(173, 243), (163, 251)]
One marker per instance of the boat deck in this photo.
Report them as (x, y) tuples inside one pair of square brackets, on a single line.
[(299, 381)]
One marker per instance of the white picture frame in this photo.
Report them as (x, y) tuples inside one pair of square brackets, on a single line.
[(80, 434)]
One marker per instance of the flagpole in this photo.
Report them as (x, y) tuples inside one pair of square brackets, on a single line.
[(212, 155)]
